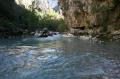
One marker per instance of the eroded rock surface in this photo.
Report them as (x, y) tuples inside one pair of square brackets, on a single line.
[(100, 16)]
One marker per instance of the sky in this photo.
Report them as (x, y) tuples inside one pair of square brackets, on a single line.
[(53, 3)]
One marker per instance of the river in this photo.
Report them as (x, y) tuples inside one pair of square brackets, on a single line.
[(59, 58)]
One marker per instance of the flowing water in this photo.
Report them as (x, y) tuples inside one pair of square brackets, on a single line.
[(59, 58)]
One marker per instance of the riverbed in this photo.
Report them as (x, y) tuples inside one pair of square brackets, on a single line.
[(59, 57)]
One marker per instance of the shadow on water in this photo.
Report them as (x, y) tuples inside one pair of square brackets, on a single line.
[(63, 58)]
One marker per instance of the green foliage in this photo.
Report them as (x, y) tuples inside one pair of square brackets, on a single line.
[(8, 24), (38, 20), (98, 7), (95, 7), (65, 6), (19, 20), (29, 20), (52, 23), (62, 27), (51, 20)]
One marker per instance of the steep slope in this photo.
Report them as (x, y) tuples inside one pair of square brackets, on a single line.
[(6, 7), (42, 5), (14, 8), (16, 17), (27, 16), (100, 16)]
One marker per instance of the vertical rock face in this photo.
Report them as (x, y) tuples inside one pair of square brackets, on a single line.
[(26, 3), (101, 15), (42, 5)]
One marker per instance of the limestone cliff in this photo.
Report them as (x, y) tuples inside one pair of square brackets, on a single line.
[(12, 7), (25, 3), (102, 16), (42, 5)]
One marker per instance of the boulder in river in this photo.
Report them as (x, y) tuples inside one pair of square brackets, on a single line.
[(44, 33)]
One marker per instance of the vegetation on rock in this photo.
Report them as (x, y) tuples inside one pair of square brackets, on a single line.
[(20, 18), (100, 16)]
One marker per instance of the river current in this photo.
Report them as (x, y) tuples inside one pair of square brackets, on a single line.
[(59, 57)]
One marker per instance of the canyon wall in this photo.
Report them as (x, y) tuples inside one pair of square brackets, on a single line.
[(99, 16), (14, 8)]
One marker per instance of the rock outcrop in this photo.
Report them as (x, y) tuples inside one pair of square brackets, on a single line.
[(15, 8), (99, 16), (25, 3), (42, 5)]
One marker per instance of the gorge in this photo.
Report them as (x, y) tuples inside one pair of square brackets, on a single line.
[(59, 39), (99, 18)]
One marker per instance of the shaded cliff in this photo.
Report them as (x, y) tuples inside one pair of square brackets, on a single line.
[(101, 17), (14, 15), (20, 17), (6, 8)]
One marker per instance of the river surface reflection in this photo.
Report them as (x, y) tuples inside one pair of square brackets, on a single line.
[(59, 58)]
